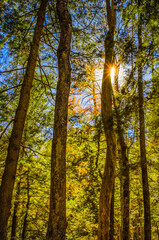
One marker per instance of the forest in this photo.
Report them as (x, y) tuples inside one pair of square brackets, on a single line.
[(79, 120)]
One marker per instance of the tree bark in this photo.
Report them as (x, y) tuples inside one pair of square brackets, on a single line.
[(107, 117), (9, 175), (14, 221), (124, 169), (145, 184), (57, 217), (125, 174), (111, 233), (124, 164), (27, 209)]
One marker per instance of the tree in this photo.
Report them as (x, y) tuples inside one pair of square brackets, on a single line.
[(9, 175), (27, 209), (107, 117), (124, 165), (86, 143), (145, 184), (57, 216), (14, 221)]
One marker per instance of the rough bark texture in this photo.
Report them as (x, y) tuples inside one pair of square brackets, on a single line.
[(121, 199), (57, 217), (14, 221), (146, 195), (9, 175), (107, 117), (111, 233), (124, 170), (27, 209), (125, 175), (124, 164)]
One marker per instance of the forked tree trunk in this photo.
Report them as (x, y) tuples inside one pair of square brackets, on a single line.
[(57, 217), (107, 117), (9, 174), (145, 184)]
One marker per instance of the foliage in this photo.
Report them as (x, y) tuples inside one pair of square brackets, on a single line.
[(86, 147)]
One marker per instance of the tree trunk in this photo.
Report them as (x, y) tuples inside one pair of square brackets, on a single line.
[(9, 175), (125, 173), (14, 221), (124, 179), (145, 184), (107, 117), (124, 165), (111, 233), (57, 217), (27, 209)]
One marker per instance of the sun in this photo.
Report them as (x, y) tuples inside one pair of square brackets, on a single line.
[(120, 74), (99, 75), (112, 74)]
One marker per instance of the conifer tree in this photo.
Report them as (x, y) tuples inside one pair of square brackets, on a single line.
[(107, 117), (57, 216), (9, 174), (145, 183)]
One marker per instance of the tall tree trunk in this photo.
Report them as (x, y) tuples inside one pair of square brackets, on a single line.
[(124, 165), (14, 220), (27, 209), (107, 117), (125, 174), (57, 217), (145, 184), (111, 233), (9, 175), (125, 178), (121, 199)]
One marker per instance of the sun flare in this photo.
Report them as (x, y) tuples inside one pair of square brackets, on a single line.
[(112, 74)]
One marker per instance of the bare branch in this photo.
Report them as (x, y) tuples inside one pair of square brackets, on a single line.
[(44, 155), (6, 128), (10, 88), (13, 70)]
